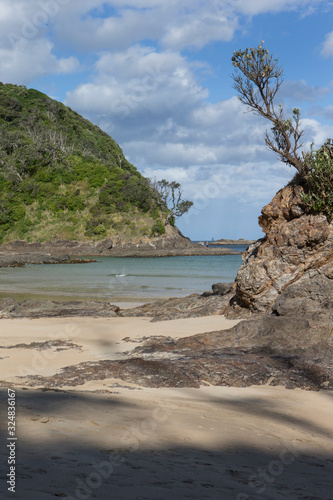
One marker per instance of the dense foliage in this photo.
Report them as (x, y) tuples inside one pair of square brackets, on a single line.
[(317, 180), (61, 176)]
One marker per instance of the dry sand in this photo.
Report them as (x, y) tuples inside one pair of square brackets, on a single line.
[(109, 439)]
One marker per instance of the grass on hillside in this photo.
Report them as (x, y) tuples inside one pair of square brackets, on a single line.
[(61, 176)]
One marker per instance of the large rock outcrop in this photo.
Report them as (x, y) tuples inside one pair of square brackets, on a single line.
[(292, 267)]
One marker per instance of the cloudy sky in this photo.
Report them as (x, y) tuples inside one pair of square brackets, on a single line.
[(155, 75)]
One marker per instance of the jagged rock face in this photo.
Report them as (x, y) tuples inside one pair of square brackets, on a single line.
[(297, 245)]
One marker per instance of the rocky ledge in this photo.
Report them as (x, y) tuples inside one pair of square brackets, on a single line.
[(19, 260), (270, 351), (10, 309), (209, 303), (172, 243)]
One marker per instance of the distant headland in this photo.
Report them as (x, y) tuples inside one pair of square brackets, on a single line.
[(224, 241)]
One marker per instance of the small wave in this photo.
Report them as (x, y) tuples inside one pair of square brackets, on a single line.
[(120, 275)]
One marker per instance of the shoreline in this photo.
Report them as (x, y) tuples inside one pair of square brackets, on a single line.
[(68, 256), (172, 244)]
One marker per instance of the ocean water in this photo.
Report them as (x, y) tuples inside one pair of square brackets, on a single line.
[(120, 279)]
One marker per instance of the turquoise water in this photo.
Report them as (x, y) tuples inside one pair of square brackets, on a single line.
[(113, 278)]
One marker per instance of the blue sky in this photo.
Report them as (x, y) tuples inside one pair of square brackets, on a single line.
[(155, 75)]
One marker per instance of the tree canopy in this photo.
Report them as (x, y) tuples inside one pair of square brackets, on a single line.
[(257, 79), (168, 195)]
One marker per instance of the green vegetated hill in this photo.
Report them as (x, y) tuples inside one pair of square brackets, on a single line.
[(61, 176)]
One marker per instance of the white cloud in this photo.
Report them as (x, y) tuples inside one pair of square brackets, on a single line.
[(255, 7), (249, 184), (315, 132), (137, 84), (201, 28), (301, 91), (170, 131), (327, 50), (26, 52), (114, 32), (172, 24), (322, 112), (27, 61), (213, 150)]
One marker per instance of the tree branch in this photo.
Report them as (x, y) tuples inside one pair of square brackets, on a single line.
[(257, 81)]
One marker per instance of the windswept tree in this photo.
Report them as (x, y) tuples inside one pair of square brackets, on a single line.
[(257, 80), (168, 196)]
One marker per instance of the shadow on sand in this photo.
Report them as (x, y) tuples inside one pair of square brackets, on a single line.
[(67, 462)]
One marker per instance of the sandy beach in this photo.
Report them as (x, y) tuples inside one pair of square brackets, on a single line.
[(109, 438)]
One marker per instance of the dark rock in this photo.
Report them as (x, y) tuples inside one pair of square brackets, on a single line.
[(19, 260), (267, 350), (295, 244), (222, 288), (291, 346), (148, 373), (104, 246), (309, 297), (175, 308), (9, 308), (192, 306)]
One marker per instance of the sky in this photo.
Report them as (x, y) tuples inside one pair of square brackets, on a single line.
[(155, 75)]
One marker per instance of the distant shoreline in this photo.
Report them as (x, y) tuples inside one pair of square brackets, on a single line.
[(240, 241)]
